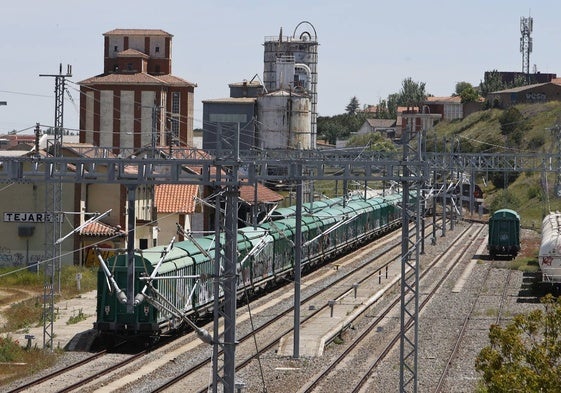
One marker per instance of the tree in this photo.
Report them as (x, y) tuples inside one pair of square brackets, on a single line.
[(461, 86), (330, 132), (466, 91), (492, 82), (373, 140), (353, 106), (524, 356), (412, 94), (393, 103), (513, 126), (469, 95), (382, 111)]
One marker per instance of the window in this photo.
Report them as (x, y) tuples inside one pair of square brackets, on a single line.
[(175, 98), (157, 49), (129, 66), (115, 67), (115, 48), (143, 243)]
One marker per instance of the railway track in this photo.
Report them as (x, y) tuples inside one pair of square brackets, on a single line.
[(454, 354), (353, 278), (337, 288), (198, 370), (327, 376), (378, 273), (76, 375)]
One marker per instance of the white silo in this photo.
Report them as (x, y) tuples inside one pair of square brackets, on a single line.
[(284, 121), (293, 60)]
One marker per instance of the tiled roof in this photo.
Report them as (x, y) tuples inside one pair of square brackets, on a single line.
[(381, 123), (176, 198), (519, 89), (264, 194), (136, 78), (100, 229), (451, 99), (175, 80), (141, 32)]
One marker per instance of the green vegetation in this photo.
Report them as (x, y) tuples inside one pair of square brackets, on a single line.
[(77, 318), (412, 94), (21, 300), (374, 141), (18, 361), (26, 291), (524, 356), (523, 128)]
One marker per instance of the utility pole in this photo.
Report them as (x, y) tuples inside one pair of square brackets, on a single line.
[(412, 181), (53, 202), (225, 274), (556, 133)]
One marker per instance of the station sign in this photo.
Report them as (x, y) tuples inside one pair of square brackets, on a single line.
[(29, 217)]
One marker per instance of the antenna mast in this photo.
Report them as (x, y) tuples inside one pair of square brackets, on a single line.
[(526, 27)]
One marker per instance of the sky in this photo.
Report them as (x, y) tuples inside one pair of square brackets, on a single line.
[(366, 48)]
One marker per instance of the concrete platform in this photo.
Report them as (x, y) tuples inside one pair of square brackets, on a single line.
[(325, 326)]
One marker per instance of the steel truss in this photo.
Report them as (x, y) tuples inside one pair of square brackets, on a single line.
[(53, 202), (230, 172)]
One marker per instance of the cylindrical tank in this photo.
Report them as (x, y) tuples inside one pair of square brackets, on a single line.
[(550, 249), (284, 121), (302, 47)]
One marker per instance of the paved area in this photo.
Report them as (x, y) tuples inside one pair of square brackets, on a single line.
[(65, 335), (325, 326)]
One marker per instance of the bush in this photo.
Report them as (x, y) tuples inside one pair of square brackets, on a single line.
[(10, 350), (504, 199)]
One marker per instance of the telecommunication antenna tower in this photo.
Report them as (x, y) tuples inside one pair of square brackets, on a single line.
[(53, 208), (526, 26)]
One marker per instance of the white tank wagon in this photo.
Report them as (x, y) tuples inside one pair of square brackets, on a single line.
[(550, 248)]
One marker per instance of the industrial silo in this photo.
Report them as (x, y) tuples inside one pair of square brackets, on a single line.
[(291, 62), (283, 121)]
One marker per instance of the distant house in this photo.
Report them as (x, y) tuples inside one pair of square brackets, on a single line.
[(258, 201), (175, 204), (451, 108), (386, 127), (541, 92)]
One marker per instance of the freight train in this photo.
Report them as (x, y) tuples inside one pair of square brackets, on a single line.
[(504, 233), (265, 256), (549, 258)]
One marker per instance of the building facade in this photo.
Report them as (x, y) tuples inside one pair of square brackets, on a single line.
[(530, 94), (136, 101)]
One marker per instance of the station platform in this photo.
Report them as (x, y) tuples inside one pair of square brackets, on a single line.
[(332, 320)]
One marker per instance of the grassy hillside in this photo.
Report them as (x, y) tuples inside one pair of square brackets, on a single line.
[(481, 132)]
